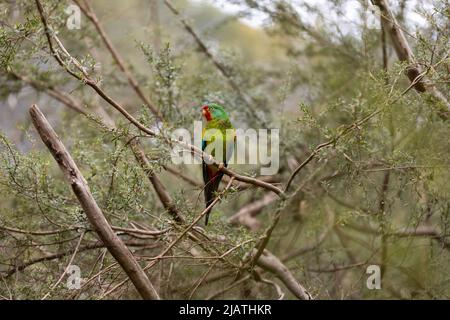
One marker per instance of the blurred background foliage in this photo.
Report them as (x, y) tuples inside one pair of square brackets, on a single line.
[(379, 195)]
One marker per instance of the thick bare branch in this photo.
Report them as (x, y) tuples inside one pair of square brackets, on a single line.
[(81, 189), (271, 263)]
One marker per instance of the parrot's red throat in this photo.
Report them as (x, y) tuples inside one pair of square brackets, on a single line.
[(206, 113)]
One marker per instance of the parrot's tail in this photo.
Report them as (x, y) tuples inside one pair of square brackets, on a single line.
[(207, 214), (210, 188)]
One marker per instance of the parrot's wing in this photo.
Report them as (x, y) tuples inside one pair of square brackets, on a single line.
[(206, 177), (230, 144)]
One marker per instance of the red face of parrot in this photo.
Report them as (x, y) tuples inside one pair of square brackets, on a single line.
[(206, 113)]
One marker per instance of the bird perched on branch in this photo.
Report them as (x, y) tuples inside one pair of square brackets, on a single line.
[(218, 139)]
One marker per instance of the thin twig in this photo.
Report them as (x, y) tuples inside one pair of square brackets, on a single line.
[(67, 268)]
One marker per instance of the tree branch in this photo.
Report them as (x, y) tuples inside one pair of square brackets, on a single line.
[(405, 54), (271, 263), (80, 188)]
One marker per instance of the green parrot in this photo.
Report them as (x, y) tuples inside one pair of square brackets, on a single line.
[(215, 117)]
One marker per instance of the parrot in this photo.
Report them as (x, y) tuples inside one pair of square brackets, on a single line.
[(215, 117)]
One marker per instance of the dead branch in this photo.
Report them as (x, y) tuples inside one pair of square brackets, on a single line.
[(271, 263), (80, 188)]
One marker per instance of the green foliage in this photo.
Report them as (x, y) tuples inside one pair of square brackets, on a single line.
[(313, 83)]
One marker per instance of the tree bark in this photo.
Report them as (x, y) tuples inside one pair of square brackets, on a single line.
[(271, 263), (405, 54), (81, 189)]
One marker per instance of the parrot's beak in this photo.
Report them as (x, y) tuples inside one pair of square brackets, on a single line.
[(204, 112)]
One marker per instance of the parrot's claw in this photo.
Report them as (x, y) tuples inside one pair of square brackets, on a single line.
[(221, 166)]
